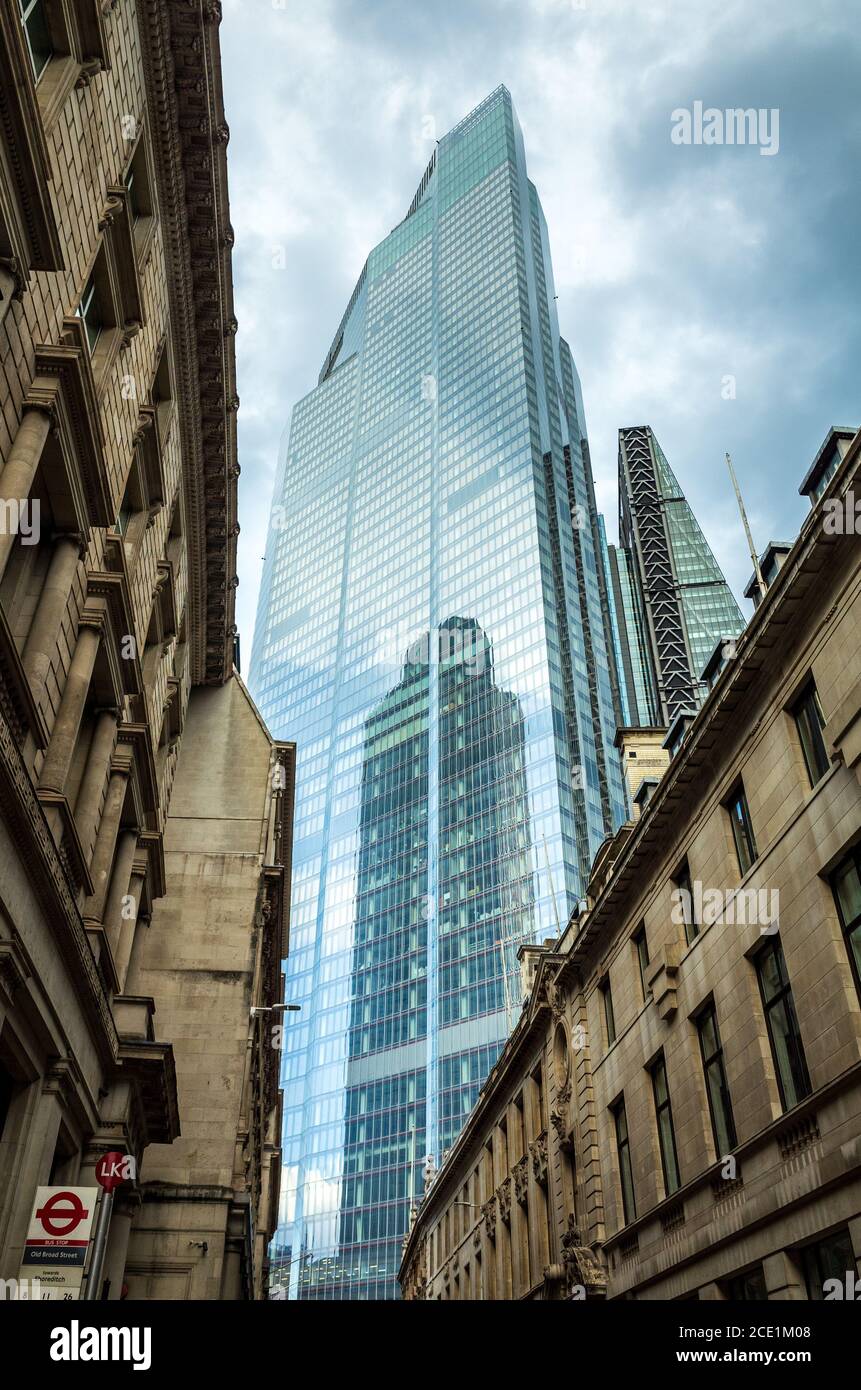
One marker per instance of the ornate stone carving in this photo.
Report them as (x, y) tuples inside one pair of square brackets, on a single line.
[(89, 69), (538, 1152), (503, 1196), (559, 1118), (583, 1269), (113, 208), (521, 1180), (13, 267), (556, 999), (488, 1211)]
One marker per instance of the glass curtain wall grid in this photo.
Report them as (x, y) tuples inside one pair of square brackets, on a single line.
[(433, 631)]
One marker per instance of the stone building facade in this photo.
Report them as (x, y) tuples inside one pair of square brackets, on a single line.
[(677, 1113), (118, 480)]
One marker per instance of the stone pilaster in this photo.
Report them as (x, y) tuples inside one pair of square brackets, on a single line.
[(103, 854), (16, 480), (96, 771), (42, 638), (64, 736)]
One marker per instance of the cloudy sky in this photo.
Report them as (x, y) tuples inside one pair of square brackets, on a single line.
[(677, 267)]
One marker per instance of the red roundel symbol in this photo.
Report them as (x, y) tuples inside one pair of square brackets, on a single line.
[(111, 1170), (62, 1212)]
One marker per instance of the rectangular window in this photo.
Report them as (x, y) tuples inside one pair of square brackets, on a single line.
[(641, 946), (846, 886), (131, 183), (810, 723), (89, 312), (830, 1258), (685, 891), (666, 1135), (747, 1288), (37, 33), (742, 829), (609, 1016), (623, 1149), (783, 1032), (720, 1106)]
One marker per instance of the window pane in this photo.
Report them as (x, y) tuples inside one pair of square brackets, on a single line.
[(37, 34), (847, 885), (808, 717), (745, 1288), (828, 1259), (724, 1128), (668, 1150)]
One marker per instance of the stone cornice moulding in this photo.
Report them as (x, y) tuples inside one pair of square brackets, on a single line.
[(186, 120)]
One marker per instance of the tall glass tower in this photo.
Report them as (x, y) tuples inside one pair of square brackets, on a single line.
[(434, 633), (672, 603)]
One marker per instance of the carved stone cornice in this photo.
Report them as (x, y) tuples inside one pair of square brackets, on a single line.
[(183, 84)]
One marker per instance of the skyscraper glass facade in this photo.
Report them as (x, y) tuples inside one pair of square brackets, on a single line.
[(433, 631), (672, 602)]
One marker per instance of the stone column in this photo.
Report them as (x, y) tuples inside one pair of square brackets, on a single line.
[(125, 1207), (783, 1279), (16, 480), (128, 931), (96, 771), (124, 858), (64, 736), (103, 854), (45, 629), (26, 1164)]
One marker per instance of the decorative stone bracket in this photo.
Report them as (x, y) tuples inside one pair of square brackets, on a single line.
[(661, 979)]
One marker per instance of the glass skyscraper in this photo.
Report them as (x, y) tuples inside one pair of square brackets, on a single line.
[(434, 632), (672, 603)]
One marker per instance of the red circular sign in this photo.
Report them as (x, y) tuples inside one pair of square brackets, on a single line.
[(62, 1212), (110, 1170)]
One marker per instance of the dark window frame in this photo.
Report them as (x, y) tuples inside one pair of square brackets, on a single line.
[(783, 996), (714, 1060), (683, 883), (851, 928), (663, 1108), (816, 1272), (36, 11), (742, 828), (809, 723), (640, 942), (609, 1012), (623, 1154)]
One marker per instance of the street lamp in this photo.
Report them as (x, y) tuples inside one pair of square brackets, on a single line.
[(275, 1009)]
